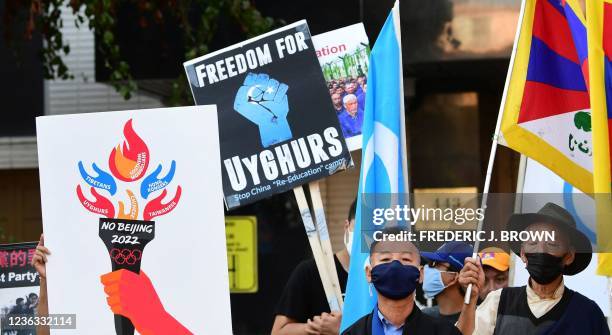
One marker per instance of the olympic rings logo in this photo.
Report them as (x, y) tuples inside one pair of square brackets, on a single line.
[(125, 256)]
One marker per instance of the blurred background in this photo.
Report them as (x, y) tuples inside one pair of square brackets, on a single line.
[(60, 57)]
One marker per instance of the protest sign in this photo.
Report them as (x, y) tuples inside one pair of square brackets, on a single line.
[(138, 191), (241, 235), (15, 266), (277, 127), (344, 57), (18, 283)]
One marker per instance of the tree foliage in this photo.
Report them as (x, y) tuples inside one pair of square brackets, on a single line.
[(99, 16)]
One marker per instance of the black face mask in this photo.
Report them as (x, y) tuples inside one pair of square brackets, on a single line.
[(544, 268), (395, 280)]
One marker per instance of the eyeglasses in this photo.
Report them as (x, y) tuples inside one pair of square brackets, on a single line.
[(445, 267)]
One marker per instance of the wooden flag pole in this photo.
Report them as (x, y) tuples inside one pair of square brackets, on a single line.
[(315, 246), (321, 224), (487, 184)]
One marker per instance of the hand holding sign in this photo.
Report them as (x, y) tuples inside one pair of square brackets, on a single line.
[(39, 260), (133, 296), (263, 101)]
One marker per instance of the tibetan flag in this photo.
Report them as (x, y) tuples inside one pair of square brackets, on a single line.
[(599, 27), (383, 163), (546, 110)]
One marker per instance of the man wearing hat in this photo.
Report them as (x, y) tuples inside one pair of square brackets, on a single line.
[(495, 263), (544, 305), (441, 279)]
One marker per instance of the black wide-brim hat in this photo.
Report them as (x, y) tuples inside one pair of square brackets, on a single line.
[(563, 220)]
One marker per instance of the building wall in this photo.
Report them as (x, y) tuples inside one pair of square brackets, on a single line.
[(19, 205), (20, 214), (83, 94)]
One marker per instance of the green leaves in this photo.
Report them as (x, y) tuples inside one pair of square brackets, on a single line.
[(108, 37), (198, 36), (99, 17)]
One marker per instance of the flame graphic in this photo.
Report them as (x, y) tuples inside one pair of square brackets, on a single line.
[(128, 163), (131, 163), (101, 205), (133, 213), (155, 207)]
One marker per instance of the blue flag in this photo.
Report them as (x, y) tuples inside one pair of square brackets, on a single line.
[(383, 164)]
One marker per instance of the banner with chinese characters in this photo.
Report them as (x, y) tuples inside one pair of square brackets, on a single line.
[(18, 282), (128, 200), (277, 125), (344, 57)]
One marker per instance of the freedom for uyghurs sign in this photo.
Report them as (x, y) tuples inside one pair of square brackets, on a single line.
[(277, 125)]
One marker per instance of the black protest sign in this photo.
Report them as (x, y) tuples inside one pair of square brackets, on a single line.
[(16, 268), (19, 289), (277, 126)]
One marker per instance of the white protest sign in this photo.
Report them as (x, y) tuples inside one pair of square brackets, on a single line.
[(139, 191), (344, 57)]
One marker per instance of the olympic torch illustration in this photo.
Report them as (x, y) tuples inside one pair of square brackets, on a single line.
[(125, 241), (121, 229)]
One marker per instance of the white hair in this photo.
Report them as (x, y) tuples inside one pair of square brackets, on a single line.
[(348, 98)]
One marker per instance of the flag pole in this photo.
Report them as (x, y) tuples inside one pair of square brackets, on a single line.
[(487, 183), (485, 195), (610, 299), (518, 206), (326, 247), (398, 33), (317, 250)]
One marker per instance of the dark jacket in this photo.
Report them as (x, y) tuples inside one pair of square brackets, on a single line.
[(582, 316), (416, 323)]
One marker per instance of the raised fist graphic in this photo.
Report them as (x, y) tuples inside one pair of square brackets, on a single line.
[(263, 101)]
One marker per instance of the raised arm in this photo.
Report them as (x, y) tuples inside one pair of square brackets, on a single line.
[(39, 261), (471, 273)]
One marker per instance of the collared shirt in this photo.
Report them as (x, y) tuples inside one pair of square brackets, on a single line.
[(388, 327), (486, 313), (351, 125), (416, 323)]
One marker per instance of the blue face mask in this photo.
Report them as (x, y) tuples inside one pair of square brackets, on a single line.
[(395, 280), (432, 284)]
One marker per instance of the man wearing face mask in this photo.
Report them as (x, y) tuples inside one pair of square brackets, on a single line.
[(303, 308), (544, 305), (442, 279), (395, 272)]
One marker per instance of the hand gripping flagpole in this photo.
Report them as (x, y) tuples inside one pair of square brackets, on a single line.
[(487, 183)]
